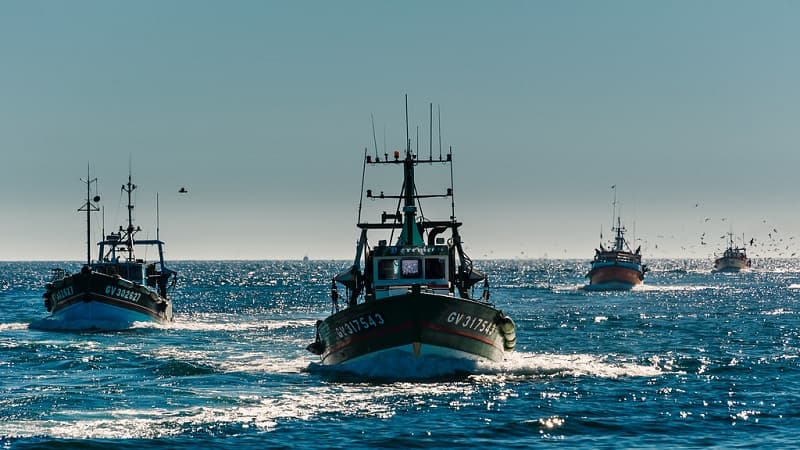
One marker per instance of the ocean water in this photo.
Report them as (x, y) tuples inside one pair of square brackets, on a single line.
[(690, 359)]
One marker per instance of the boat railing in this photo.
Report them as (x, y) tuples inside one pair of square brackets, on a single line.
[(57, 273), (618, 257)]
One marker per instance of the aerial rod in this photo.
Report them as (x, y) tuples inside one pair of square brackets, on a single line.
[(439, 108), (430, 134), (158, 220), (408, 140), (614, 205), (452, 190)]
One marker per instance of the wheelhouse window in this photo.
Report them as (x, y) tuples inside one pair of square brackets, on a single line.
[(411, 268), (434, 268), (388, 269)]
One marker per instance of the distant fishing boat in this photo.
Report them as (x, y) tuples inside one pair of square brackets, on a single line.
[(734, 259), (617, 268), (117, 289), (412, 296)]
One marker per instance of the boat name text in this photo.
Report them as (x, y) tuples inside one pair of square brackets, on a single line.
[(61, 294), (472, 323), (359, 324)]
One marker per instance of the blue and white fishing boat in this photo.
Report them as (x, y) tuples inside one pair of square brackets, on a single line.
[(119, 288)]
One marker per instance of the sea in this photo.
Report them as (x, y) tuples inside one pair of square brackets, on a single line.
[(690, 359)]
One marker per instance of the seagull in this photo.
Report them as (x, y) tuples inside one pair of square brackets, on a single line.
[(183, 190)]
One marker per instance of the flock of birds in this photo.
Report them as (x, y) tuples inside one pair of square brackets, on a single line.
[(767, 242)]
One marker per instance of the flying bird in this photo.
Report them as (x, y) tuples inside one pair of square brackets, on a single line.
[(183, 190)]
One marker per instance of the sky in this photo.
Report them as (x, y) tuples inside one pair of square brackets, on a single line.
[(262, 110)]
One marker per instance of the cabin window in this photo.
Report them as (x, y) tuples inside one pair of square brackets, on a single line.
[(411, 268), (434, 268), (387, 269)]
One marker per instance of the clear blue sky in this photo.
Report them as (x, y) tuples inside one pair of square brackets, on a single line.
[(262, 110)]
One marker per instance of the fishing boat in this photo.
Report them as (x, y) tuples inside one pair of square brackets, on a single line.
[(733, 259), (412, 297), (617, 268), (117, 289)]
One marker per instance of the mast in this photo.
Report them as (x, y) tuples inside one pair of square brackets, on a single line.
[(158, 221), (410, 235), (129, 188), (619, 239), (614, 206), (89, 207)]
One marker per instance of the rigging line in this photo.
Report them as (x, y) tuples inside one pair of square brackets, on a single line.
[(363, 173), (419, 204), (417, 144), (374, 139), (397, 209)]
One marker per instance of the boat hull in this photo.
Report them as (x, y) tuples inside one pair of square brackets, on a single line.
[(422, 324), (731, 264), (615, 276), (96, 300)]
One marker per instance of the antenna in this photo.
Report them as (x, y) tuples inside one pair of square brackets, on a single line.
[(89, 207), (614, 205), (452, 190), (440, 131), (374, 139), (430, 128), (408, 140), (158, 220)]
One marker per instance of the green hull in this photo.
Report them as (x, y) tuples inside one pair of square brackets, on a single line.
[(425, 324)]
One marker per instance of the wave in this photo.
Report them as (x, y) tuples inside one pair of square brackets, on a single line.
[(674, 288), (404, 367), (53, 324), (222, 325), (573, 365), (13, 326)]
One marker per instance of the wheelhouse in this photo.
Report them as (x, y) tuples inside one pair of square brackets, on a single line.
[(395, 269), (116, 258)]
